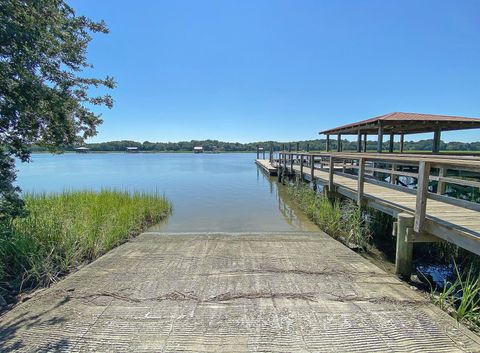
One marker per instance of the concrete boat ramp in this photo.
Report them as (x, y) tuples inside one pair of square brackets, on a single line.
[(265, 292)]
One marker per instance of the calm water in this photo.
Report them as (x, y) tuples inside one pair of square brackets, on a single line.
[(209, 192)]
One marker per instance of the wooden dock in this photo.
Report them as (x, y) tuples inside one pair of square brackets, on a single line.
[(423, 215), (266, 166)]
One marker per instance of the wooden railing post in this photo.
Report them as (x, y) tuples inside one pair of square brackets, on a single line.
[(291, 163), (441, 184), (330, 174), (301, 167), (393, 177), (360, 181), (422, 194), (312, 167)]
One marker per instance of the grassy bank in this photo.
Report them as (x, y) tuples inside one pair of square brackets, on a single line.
[(367, 229), (341, 220), (63, 231)]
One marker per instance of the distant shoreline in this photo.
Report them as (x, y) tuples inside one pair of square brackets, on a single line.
[(141, 152), (475, 153)]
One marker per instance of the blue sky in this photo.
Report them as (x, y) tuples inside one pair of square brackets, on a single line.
[(283, 70)]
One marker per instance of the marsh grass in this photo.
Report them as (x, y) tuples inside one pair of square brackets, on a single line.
[(341, 220), (460, 297), (65, 230)]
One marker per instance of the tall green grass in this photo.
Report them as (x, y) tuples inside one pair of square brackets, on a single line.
[(461, 297), (344, 221), (65, 230)]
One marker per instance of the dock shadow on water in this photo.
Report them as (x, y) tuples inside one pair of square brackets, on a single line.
[(209, 192)]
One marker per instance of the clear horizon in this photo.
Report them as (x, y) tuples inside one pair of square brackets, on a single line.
[(281, 70)]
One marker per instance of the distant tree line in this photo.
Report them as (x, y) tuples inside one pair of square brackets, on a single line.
[(221, 146)]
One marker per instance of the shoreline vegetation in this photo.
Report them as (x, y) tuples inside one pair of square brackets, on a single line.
[(64, 231), (222, 146), (366, 230)]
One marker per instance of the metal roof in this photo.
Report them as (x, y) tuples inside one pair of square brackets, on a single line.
[(399, 122)]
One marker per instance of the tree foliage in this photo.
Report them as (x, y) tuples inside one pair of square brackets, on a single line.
[(215, 145), (44, 98)]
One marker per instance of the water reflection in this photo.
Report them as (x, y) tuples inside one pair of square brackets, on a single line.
[(287, 207)]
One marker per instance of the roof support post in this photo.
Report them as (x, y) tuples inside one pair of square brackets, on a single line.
[(380, 139), (364, 142), (436, 140), (339, 143), (402, 138), (328, 143), (390, 146), (359, 141)]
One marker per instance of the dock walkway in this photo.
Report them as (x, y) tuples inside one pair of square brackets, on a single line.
[(464, 221), (431, 214), (266, 166), (265, 292)]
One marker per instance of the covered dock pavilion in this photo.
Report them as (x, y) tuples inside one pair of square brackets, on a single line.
[(398, 123)]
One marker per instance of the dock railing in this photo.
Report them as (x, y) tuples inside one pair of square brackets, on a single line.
[(394, 171)]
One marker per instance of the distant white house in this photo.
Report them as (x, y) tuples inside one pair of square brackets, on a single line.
[(132, 149), (198, 149), (82, 149)]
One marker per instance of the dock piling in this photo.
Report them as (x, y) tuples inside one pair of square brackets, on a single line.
[(404, 250), (279, 167)]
